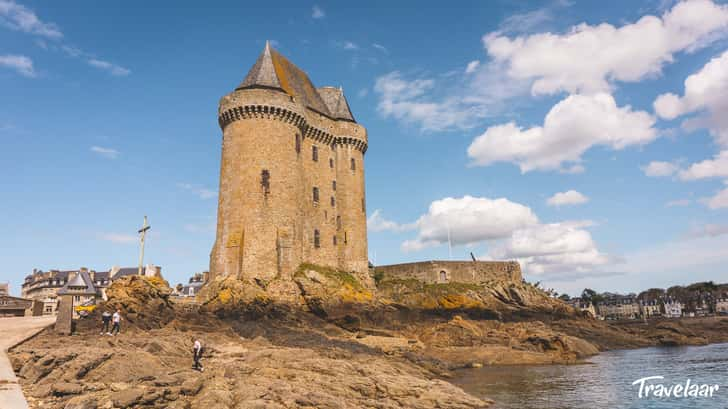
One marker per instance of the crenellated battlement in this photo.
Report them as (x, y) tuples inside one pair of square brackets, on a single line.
[(261, 111)]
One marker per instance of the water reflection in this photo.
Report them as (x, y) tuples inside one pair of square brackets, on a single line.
[(604, 383)]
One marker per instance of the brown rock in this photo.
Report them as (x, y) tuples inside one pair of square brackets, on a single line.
[(127, 397), (66, 388)]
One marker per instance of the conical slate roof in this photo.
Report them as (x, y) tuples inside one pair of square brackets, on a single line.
[(273, 70), (336, 103)]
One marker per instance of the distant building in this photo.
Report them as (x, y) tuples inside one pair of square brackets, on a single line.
[(193, 286), (721, 306), (4, 289), (673, 308), (619, 307), (651, 308), (81, 288), (44, 286), (583, 305), (18, 307)]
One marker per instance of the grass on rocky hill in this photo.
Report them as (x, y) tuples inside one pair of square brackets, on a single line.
[(343, 277)]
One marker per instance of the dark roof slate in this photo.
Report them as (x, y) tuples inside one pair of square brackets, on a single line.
[(336, 103), (273, 70)]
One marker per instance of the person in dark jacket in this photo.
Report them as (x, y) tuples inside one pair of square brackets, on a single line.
[(197, 355), (105, 320)]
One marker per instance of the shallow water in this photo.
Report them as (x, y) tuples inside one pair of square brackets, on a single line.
[(606, 382)]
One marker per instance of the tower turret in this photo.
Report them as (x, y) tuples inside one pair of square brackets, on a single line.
[(291, 177)]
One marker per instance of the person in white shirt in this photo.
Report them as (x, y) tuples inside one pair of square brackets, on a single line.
[(197, 355), (116, 320)]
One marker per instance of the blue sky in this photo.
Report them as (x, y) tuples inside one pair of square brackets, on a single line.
[(557, 133)]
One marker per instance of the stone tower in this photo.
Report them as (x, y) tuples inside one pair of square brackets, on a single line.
[(291, 177)]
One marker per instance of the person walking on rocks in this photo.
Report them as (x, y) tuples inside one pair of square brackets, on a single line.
[(105, 320), (197, 355), (116, 318)]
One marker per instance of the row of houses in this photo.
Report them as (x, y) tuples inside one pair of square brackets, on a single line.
[(85, 285), (626, 307)]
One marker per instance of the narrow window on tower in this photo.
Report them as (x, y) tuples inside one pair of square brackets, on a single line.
[(333, 185), (298, 143), (338, 222), (265, 181), (363, 205), (334, 240), (331, 163), (314, 153), (345, 240), (316, 239), (353, 164), (333, 201), (315, 195)]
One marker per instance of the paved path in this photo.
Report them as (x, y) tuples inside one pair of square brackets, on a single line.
[(15, 330)]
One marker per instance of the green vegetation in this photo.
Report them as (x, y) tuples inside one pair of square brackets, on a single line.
[(378, 276), (333, 274)]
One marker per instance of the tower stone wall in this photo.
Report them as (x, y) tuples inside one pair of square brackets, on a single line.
[(282, 140)]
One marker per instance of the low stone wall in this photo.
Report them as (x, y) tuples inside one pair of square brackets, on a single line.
[(432, 272)]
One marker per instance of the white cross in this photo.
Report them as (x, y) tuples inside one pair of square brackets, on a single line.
[(143, 233)]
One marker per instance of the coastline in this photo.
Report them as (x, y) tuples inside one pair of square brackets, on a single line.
[(399, 347)]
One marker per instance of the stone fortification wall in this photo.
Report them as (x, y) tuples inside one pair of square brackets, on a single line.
[(474, 272)]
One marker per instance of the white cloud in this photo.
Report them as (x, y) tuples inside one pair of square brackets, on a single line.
[(348, 45), (571, 197), (709, 230), (586, 58), (678, 203), (512, 231), (20, 63), (105, 152), (377, 223), (380, 47), (113, 69), (20, 18), (201, 192), (709, 168), (719, 201), (555, 248), (524, 22), (407, 100), (469, 220), (706, 90), (472, 66), (363, 92), (317, 12), (119, 238), (660, 169), (571, 127)]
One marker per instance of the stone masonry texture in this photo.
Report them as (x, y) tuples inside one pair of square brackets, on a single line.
[(268, 222)]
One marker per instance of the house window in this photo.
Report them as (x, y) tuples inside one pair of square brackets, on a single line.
[(298, 143), (76, 298), (315, 195), (314, 153), (353, 164), (316, 239), (331, 163), (333, 185), (333, 201), (334, 240), (265, 181)]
